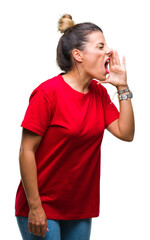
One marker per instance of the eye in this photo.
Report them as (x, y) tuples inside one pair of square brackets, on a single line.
[(101, 47)]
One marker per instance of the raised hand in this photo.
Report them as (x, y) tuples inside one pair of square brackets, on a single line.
[(117, 72)]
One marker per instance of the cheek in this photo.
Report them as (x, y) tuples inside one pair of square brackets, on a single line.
[(95, 60), (98, 64)]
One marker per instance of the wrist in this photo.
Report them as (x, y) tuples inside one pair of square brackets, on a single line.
[(122, 87), (34, 203)]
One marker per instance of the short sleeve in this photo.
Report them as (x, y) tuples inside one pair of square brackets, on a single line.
[(38, 113), (111, 112)]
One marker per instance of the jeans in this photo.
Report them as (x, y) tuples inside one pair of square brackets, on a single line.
[(59, 229)]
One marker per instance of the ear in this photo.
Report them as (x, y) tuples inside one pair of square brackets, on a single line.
[(77, 55)]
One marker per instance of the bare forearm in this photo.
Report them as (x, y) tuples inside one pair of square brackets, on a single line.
[(29, 177), (126, 119)]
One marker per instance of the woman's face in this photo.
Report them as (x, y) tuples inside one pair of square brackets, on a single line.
[(95, 55)]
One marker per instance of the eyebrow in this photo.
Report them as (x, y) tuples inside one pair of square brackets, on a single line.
[(100, 43)]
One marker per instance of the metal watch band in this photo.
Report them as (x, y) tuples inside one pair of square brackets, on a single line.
[(125, 96)]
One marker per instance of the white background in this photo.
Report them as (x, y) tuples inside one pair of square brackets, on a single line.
[(27, 57)]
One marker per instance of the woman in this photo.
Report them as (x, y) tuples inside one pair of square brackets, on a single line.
[(62, 133)]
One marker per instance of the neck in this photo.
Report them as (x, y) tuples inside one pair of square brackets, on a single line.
[(77, 80)]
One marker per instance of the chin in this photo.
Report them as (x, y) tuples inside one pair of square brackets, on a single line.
[(101, 78)]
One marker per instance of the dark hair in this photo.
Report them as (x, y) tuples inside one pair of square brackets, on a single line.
[(75, 36)]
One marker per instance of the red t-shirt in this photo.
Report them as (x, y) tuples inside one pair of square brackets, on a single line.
[(68, 157)]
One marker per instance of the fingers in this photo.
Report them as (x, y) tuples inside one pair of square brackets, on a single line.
[(32, 228), (117, 58), (44, 229), (38, 229), (124, 62), (111, 61), (114, 60), (37, 221)]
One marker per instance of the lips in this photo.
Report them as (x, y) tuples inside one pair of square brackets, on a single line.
[(106, 65)]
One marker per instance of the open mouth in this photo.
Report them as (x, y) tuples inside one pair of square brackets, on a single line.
[(107, 65)]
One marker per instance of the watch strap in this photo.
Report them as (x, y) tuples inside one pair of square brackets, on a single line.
[(125, 96)]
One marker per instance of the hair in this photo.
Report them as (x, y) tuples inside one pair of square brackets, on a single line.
[(75, 36)]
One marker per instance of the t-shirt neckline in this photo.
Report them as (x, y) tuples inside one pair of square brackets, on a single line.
[(72, 90)]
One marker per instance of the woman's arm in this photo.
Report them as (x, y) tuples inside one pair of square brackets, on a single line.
[(123, 128), (37, 218)]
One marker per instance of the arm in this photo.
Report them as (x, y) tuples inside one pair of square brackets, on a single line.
[(122, 128), (37, 218)]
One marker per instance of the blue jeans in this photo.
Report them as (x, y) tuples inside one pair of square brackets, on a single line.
[(59, 229)]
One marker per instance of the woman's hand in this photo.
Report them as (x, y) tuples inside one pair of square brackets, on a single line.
[(117, 72), (37, 221)]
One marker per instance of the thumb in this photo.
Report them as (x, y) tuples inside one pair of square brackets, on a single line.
[(103, 81)]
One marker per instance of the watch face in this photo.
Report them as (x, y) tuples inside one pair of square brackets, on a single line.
[(125, 96)]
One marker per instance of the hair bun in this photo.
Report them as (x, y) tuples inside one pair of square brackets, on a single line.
[(65, 22)]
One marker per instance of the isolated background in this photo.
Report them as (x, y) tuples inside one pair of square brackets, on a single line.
[(27, 57)]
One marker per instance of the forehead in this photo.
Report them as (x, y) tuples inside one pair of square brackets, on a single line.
[(96, 37)]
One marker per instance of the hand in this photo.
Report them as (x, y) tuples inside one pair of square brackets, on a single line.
[(117, 75), (37, 221)]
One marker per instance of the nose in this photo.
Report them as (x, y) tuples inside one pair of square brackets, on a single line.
[(109, 51)]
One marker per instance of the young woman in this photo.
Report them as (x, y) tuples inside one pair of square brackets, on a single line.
[(62, 133)]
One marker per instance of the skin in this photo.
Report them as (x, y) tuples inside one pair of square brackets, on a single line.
[(37, 222), (88, 64)]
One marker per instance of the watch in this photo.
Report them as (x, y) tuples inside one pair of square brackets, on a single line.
[(125, 96)]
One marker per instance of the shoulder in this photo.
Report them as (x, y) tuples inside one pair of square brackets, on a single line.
[(49, 84), (47, 87)]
